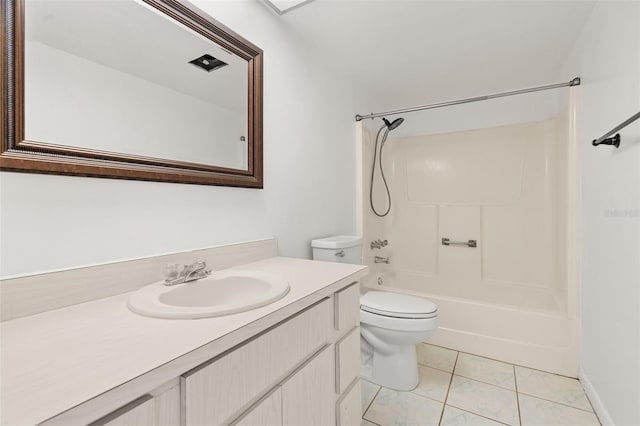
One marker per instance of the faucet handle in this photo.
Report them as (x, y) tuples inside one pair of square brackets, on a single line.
[(171, 272), (376, 244)]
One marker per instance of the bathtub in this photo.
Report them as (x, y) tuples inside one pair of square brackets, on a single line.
[(532, 330)]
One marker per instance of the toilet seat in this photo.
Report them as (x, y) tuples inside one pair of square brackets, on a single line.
[(398, 324), (397, 305)]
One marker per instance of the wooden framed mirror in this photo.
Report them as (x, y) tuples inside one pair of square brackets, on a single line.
[(133, 89)]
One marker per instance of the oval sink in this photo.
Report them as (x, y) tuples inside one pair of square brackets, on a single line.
[(221, 293)]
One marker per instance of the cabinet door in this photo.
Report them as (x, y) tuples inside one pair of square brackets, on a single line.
[(347, 360), (308, 397), (267, 412), (350, 406), (215, 392), (167, 407), (347, 308)]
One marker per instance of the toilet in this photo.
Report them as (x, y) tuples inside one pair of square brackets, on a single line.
[(391, 324)]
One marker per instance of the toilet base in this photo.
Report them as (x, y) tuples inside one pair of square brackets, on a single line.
[(398, 370)]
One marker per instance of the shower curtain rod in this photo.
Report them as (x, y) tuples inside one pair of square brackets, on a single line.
[(574, 82)]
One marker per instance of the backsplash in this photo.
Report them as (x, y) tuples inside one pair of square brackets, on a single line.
[(23, 296)]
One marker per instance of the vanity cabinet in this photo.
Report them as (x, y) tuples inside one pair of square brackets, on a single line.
[(347, 353), (350, 406), (347, 308), (299, 371), (347, 360), (305, 365), (139, 412), (307, 397), (161, 410), (214, 392), (167, 406), (267, 412)]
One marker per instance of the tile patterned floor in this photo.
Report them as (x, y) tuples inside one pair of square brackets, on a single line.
[(460, 389)]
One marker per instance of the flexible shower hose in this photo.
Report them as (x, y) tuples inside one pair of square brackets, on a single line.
[(373, 169)]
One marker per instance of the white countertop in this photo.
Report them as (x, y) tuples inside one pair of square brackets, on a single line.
[(56, 360)]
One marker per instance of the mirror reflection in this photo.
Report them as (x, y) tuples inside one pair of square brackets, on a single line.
[(119, 76)]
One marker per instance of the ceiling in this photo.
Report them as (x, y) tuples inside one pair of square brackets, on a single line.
[(397, 53), (405, 53)]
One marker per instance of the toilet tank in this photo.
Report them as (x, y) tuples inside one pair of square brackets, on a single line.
[(341, 248)]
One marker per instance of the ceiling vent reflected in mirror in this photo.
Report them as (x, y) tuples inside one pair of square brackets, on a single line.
[(208, 62), (283, 6)]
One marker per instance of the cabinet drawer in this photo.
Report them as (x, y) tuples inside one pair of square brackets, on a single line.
[(349, 406), (267, 412), (347, 308), (307, 397), (218, 390), (140, 412), (347, 360)]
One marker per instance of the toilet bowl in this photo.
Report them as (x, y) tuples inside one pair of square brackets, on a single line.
[(391, 324)]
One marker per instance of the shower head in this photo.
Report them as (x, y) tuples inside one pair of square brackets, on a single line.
[(394, 124)]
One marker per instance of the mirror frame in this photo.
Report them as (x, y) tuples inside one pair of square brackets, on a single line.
[(18, 154)]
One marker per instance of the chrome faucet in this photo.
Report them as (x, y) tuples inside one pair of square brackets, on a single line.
[(192, 272), (380, 259)]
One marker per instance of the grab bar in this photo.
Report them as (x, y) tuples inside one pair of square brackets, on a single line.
[(470, 243)]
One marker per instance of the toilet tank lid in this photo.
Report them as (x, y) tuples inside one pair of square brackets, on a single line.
[(384, 301), (339, 241)]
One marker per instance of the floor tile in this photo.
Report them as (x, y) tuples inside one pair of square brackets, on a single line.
[(563, 390), (433, 383), (403, 409), (538, 412), (486, 370), (455, 417), (369, 391), (436, 357), (486, 400)]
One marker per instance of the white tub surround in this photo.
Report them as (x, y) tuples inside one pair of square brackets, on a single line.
[(509, 197), (81, 363)]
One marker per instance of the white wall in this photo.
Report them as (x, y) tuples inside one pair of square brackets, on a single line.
[(58, 222), (607, 56)]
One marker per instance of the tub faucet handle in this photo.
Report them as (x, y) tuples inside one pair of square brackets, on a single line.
[(376, 244)]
